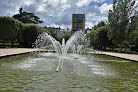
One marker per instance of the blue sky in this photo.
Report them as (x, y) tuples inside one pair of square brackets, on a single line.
[(58, 13)]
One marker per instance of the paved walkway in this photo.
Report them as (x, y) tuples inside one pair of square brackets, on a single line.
[(12, 51), (120, 55)]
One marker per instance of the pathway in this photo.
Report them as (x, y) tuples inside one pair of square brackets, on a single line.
[(13, 51)]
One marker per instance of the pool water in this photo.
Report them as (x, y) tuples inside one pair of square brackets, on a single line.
[(35, 72)]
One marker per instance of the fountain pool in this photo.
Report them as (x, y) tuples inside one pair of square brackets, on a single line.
[(35, 72)]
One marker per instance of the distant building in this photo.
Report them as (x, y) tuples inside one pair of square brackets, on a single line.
[(78, 22), (59, 31), (87, 30), (52, 28), (63, 32)]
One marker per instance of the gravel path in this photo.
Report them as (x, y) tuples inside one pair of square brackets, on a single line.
[(12, 51), (120, 55)]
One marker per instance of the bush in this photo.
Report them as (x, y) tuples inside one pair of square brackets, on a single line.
[(29, 34), (134, 48), (99, 38), (9, 28)]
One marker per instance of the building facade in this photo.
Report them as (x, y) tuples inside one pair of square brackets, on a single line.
[(78, 22), (59, 31)]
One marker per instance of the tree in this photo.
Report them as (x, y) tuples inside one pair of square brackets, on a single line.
[(27, 17), (119, 19), (134, 37), (65, 36), (102, 37), (134, 29), (100, 24), (99, 38)]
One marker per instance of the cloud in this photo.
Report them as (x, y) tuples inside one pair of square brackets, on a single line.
[(81, 3), (9, 7), (105, 8), (58, 12)]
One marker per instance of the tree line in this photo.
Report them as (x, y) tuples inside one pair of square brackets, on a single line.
[(121, 29), (20, 29), (13, 30)]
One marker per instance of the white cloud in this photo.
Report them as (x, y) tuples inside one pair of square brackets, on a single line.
[(41, 7), (63, 1), (89, 24), (81, 3), (28, 2), (105, 8)]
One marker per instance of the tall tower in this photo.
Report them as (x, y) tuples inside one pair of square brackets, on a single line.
[(78, 22)]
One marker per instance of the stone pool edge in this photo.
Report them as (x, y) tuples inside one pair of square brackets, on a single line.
[(135, 59), (113, 54)]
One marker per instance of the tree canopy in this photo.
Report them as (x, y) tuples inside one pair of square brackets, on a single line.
[(26, 17), (99, 38), (119, 20), (100, 24)]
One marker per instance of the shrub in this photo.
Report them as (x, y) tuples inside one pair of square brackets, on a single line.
[(9, 28), (29, 34)]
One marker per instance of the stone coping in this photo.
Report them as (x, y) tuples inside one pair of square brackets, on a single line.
[(131, 57)]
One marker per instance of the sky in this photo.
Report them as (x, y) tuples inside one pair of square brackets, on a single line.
[(58, 13)]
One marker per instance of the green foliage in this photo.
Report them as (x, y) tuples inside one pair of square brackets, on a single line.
[(29, 34), (92, 36), (133, 37), (10, 28), (99, 38), (102, 37), (119, 19), (65, 36), (52, 33), (27, 17), (125, 44), (100, 24)]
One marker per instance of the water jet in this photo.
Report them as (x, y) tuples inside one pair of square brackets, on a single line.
[(75, 43)]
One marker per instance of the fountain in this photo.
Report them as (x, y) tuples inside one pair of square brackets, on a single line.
[(76, 43), (35, 72)]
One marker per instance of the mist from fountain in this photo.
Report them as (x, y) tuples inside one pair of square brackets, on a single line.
[(75, 44)]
